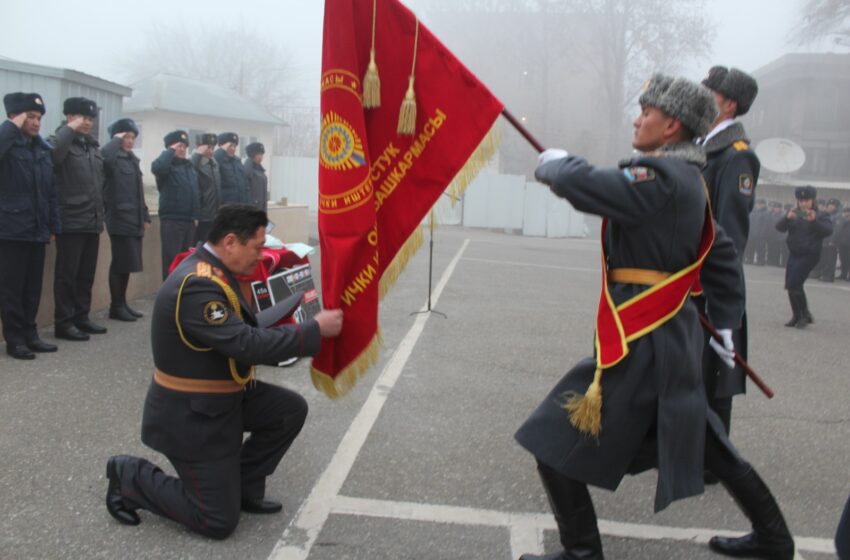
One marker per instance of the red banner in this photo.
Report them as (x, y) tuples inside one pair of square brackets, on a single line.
[(376, 185)]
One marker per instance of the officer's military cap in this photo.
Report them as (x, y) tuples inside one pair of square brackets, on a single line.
[(206, 139), (226, 137), (834, 202), (80, 106), (123, 125), (255, 148), (734, 84), (805, 193), (176, 136), (683, 99), (18, 102)]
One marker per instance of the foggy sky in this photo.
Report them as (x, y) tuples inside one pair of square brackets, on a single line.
[(87, 36)]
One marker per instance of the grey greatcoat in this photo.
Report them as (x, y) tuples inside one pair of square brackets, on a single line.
[(209, 186), (654, 411), (78, 165), (123, 194)]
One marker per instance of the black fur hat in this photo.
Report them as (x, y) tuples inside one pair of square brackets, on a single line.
[(176, 136), (16, 103), (806, 193), (734, 84), (226, 137), (80, 106), (123, 125), (206, 139), (255, 148)]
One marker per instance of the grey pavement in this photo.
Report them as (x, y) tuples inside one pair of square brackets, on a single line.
[(436, 473)]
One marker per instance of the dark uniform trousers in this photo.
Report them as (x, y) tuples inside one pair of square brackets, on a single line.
[(177, 236), (21, 275), (207, 495), (76, 263)]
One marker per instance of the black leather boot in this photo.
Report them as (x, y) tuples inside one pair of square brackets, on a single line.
[(570, 502), (795, 308), (805, 316), (770, 538)]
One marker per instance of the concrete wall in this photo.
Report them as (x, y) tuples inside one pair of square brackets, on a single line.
[(291, 226)]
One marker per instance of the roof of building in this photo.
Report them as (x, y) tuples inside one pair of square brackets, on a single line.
[(64, 74), (163, 92), (799, 66)]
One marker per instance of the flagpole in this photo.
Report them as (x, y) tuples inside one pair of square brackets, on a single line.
[(768, 392)]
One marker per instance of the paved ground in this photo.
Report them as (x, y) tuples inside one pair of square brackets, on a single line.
[(419, 462)]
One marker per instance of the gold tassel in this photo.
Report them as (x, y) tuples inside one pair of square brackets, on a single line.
[(372, 84), (339, 386), (407, 114), (586, 410)]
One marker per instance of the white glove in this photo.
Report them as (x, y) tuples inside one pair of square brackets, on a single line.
[(727, 351), (550, 155)]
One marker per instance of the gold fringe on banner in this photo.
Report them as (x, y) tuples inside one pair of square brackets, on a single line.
[(476, 162), (407, 113), (372, 81), (343, 383)]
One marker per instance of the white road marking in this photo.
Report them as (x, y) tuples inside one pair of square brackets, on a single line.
[(298, 538)]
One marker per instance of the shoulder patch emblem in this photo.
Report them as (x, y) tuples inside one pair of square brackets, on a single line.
[(741, 146), (203, 270), (639, 174), (745, 184), (215, 312)]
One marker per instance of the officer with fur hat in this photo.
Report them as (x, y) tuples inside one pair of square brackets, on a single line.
[(255, 175), (29, 217), (639, 403), (829, 256), (234, 186), (78, 168), (209, 182), (731, 174), (179, 202), (807, 227)]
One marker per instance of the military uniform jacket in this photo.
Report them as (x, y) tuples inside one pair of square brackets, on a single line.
[(177, 183), (209, 186), (29, 208), (234, 186), (258, 184), (199, 426), (78, 167), (124, 193), (654, 410)]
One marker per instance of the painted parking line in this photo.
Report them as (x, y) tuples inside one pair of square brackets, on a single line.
[(527, 528), (298, 538)]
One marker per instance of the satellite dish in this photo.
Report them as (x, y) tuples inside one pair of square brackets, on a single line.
[(780, 155)]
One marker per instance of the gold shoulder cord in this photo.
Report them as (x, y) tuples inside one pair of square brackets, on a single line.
[(233, 300)]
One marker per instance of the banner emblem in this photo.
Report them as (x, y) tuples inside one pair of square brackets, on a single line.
[(341, 148)]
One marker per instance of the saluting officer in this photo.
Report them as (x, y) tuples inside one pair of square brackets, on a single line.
[(255, 175), (731, 174), (209, 183), (640, 403), (203, 395), (29, 216), (78, 167), (234, 186)]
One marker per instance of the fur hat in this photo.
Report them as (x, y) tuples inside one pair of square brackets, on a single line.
[(683, 99), (734, 84), (226, 137), (806, 193), (255, 148), (206, 139), (17, 103), (80, 106), (176, 136), (834, 202), (123, 125)]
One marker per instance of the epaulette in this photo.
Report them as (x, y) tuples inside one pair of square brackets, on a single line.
[(203, 270), (741, 146)]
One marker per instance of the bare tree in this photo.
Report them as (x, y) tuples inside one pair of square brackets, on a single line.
[(823, 20)]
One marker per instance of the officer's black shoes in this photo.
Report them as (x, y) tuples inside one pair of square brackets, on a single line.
[(114, 502), (573, 554), (121, 313), (87, 326), (41, 347), (770, 538), (70, 333), (260, 505), (751, 546), (133, 312), (20, 352)]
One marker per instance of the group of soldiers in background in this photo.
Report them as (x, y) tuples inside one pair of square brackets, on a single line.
[(767, 245)]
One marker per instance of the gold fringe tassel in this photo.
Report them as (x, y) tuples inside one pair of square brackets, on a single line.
[(402, 257), (372, 84), (476, 162), (586, 410), (407, 113), (343, 383)]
